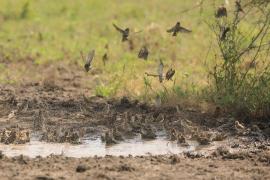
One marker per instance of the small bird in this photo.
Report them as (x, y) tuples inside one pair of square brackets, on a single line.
[(221, 11), (224, 31), (238, 6), (170, 73), (143, 53), (178, 28), (124, 32), (238, 126), (160, 71), (105, 58), (88, 60)]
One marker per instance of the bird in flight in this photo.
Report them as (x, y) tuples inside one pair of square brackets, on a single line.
[(124, 32), (178, 28), (88, 60), (221, 11), (170, 73), (143, 53)]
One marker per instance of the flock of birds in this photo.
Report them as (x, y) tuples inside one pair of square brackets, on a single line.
[(144, 52)]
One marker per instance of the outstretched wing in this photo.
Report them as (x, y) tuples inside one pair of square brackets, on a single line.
[(184, 30), (118, 28), (90, 57), (160, 71), (171, 30)]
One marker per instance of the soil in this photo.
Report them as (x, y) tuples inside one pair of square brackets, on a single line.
[(62, 110)]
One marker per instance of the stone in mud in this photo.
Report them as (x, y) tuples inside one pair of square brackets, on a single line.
[(44, 178), (1, 155), (174, 159), (81, 168), (193, 155), (125, 167)]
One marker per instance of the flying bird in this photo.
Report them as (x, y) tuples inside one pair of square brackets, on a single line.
[(143, 53), (160, 71), (124, 32), (170, 73), (178, 28), (238, 6), (221, 12), (88, 60)]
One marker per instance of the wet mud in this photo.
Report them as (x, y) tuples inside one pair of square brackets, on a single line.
[(61, 116)]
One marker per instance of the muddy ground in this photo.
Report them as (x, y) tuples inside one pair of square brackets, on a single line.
[(61, 108)]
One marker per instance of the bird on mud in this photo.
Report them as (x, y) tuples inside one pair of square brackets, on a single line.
[(148, 132), (178, 28), (169, 74), (88, 60), (221, 12), (143, 53), (238, 6), (224, 31), (160, 71), (124, 32)]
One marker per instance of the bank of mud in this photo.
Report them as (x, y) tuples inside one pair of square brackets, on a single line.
[(62, 113)]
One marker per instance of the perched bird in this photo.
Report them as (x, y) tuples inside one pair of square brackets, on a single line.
[(221, 11), (124, 32), (170, 73), (105, 58), (88, 60), (143, 54), (178, 28), (160, 71), (238, 6), (224, 31)]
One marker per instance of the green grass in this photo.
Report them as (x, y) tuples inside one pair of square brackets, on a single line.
[(49, 31)]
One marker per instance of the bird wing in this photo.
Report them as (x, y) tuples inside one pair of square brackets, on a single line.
[(90, 57), (184, 30), (118, 28), (171, 30), (140, 55)]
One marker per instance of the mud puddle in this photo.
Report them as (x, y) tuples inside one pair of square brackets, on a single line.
[(93, 146)]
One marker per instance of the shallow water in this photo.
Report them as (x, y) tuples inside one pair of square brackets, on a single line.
[(92, 146)]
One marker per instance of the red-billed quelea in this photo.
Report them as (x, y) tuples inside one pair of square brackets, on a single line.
[(88, 60), (124, 32), (143, 53), (170, 73), (221, 12), (178, 28)]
